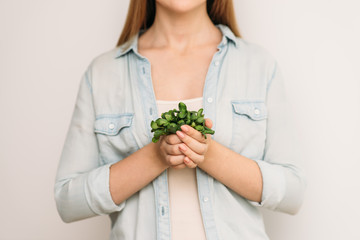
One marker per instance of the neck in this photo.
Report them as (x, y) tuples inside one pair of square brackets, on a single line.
[(182, 30)]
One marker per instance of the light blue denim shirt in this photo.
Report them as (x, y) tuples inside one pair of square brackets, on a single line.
[(243, 95)]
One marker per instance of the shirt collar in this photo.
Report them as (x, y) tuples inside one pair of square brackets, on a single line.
[(133, 42)]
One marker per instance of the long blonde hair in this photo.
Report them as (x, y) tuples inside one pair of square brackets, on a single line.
[(141, 15)]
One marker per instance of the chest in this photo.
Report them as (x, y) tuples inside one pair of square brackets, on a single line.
[(234, 99), (179, 76)]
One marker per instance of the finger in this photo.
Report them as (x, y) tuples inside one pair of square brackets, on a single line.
[(192, 132), (195, 145), (196, 158), (174, 160), (208, 123), (171, 149), (172, 139), (189, 163), (179, 166)]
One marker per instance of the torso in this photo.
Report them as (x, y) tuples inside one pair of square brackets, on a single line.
[(181, 76)]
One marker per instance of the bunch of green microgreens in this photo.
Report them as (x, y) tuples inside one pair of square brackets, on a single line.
[(171, 121)]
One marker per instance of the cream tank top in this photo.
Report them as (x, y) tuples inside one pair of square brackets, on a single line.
[(185, 216)]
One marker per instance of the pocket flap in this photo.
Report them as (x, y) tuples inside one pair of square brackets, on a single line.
[(256, 110), (111, 124)]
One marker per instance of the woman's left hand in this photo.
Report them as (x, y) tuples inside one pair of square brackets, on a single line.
[(194, 146)]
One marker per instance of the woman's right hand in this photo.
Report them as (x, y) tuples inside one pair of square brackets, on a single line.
[(168, 149)]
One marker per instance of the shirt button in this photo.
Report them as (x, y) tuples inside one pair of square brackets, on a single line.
[(256, 111), (206, 199), (111, 126), (217, 63), (210, 100)]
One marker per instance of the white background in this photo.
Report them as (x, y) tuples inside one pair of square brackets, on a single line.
[(46, 45)]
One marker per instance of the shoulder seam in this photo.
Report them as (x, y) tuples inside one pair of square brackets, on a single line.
[(87, 81), (272, 76)]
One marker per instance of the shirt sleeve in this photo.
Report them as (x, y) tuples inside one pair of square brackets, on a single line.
[(82, 184), (283, 179)]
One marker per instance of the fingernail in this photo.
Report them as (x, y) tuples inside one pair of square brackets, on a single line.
[(184, 128), (180, 134), (186, 160)]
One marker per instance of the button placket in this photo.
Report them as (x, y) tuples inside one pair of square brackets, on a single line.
[(160, 184), (204, 180)]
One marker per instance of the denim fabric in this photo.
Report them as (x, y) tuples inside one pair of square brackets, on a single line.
[(243, 95)]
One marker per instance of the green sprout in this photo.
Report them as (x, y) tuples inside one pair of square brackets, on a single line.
[(171, 121)]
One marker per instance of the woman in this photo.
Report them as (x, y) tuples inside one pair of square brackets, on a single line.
[(184, 186)]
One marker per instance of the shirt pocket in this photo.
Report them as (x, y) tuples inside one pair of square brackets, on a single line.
[(249, 127), (115, 136)]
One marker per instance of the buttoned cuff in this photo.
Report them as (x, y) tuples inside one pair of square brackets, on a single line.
[(274, 185), (97, 191)]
